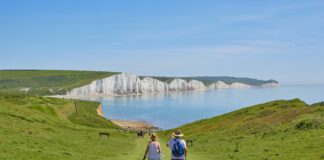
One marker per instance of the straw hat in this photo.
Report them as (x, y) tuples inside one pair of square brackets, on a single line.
[(177, 134)]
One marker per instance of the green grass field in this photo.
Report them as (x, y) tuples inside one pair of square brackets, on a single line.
[(287, 130), (41, 82), (40, 128), (47, 128)]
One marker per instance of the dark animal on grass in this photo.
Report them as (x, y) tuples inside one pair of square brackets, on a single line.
[(190, 141), (140, 134), (104, 134)]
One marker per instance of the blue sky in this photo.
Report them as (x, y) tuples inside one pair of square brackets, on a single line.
[(283, 40)]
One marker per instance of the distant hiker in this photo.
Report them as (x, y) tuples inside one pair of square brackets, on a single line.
[(153, 149), (178, 146)]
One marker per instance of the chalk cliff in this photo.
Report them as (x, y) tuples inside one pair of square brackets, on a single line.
[(222, 85), (127, 84)]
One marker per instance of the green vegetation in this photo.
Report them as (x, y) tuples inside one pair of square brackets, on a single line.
[(288, 130), (46, 82), (49, 128)]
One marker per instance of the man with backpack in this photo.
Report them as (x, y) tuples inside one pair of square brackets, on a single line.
[(178, 146)]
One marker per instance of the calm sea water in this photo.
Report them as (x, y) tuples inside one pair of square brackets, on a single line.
[(169, 110)]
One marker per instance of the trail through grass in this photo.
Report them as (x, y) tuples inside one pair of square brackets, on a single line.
[(48, 128)]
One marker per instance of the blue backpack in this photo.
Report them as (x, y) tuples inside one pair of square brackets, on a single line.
[(177, 149)]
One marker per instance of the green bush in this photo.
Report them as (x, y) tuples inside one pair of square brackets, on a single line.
[(307, 124)]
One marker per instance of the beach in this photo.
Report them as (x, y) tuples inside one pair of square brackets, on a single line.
[(134, 125)]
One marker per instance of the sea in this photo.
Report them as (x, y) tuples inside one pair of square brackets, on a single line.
[(173, 109)]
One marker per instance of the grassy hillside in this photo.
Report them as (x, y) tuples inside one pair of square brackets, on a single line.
[(46, 128), (288, 130), (46, 82)]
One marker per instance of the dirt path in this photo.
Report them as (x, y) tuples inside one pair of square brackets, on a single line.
[(137, 152), (141, 144)]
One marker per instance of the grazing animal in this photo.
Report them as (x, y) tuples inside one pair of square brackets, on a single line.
[(104, 134), (140, 134), (190, 141)]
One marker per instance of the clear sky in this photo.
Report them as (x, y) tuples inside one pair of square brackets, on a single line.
[(279, 39)]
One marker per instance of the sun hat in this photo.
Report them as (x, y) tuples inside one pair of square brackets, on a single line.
[(177, 134)]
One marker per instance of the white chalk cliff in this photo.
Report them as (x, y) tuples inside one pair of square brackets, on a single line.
[(127, 84), (222, 85)]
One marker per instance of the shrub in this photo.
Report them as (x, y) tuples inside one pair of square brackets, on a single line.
[(309, 124)]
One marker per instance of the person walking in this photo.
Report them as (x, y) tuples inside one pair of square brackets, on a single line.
[(178, 146), (153, 149)]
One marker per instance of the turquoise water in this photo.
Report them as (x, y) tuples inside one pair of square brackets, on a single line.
[(169, 110)]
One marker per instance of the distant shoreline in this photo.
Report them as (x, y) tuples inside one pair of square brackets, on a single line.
[(128, 124), (88, 97), (134, 125)]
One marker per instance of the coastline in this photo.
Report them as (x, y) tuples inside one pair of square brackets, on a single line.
[(128, 124), (135, 125), (88, 97), (119, 95)]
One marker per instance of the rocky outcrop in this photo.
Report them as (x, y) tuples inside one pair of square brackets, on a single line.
[(149, 84), (127, 84), (99, 111), (182, 85)]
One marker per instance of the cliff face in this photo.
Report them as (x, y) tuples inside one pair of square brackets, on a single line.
[(222, 85), (182, 85), (127, 84)]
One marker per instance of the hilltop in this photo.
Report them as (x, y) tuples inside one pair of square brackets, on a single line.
[(46, 82)]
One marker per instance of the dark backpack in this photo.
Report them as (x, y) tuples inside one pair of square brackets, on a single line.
[(177, 149)]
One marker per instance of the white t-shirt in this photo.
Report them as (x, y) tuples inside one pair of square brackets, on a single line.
[(154, 150), (182, 142)]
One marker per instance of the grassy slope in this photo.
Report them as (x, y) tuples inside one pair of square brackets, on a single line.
[(274, 130), (47, 128), (40, 81)]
